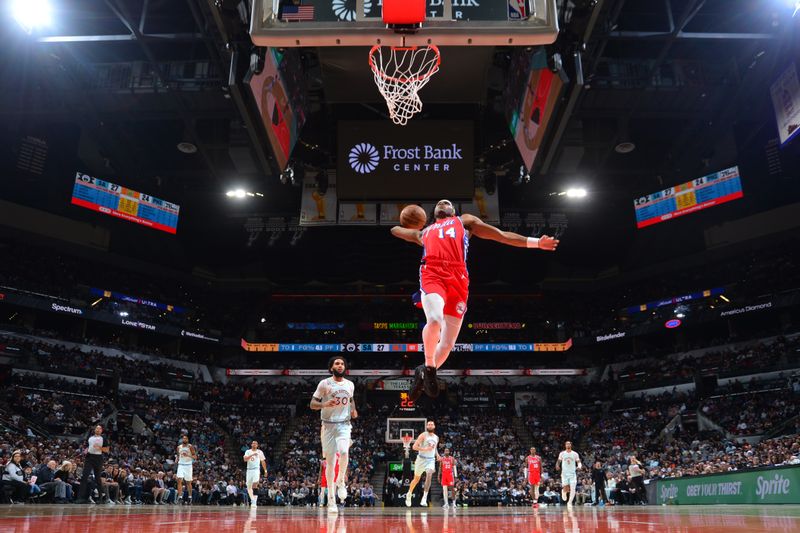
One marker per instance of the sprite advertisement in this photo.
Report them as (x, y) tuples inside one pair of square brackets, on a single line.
[(763, 486)]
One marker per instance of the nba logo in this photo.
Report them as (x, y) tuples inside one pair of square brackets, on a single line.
[(517, 9)]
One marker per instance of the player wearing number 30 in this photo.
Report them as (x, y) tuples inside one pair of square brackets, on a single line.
[(334, 398), (444, 280)]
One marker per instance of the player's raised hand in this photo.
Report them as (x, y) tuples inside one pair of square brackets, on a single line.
[(548, 243)]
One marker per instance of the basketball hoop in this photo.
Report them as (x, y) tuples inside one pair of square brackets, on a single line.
[(407, 444), (400, 73)]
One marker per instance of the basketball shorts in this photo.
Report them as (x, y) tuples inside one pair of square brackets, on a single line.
[(424, 464), (253, 475), (447, 480), (184, 472), (452, 284), (534, 479), (570, 479), (331, 434)]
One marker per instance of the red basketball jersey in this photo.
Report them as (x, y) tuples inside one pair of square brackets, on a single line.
[(534, 466), (447, 470), (445, 240)]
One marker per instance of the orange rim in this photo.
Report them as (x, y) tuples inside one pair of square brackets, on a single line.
[(383, 75)]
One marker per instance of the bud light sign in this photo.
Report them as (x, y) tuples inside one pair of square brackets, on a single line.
[(425, 160)]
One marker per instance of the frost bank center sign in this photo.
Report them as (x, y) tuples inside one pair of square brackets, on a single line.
[(762, 486), (378, 160)]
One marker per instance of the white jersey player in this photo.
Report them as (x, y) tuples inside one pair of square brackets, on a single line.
[(334, 398), (568, 462), (426, 445), (255, 462), (186, 458)]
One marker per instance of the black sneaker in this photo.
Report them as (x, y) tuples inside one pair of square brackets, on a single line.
[(431, 385), (419, 383)]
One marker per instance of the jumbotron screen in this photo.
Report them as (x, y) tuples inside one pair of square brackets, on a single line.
[(690, 197), (127, 204)]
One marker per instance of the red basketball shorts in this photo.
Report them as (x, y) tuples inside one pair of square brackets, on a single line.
[(534, 478), (447, 480), (451, 283)]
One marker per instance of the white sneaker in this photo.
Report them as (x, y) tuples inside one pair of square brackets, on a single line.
[(423, 502), (253, 501), (332, 508), (408, 500), (445, 506), (341, 492)]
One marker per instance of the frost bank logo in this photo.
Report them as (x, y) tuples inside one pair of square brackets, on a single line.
[(364, 158)]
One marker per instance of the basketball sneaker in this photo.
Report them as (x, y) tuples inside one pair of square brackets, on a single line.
[(419, 383), (332, 506), (408, 499), (341, 492), (431, 385)]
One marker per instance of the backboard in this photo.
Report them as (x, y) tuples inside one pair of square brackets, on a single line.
[(397, 427), (316, 23)]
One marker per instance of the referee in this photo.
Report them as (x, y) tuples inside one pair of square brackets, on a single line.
[(93, 462)]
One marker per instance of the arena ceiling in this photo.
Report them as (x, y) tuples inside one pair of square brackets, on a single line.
[(126, 81)]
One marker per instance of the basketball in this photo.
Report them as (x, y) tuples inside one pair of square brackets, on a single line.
[(413, 216)]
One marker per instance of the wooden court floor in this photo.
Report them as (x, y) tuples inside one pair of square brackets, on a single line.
[(198, 519)]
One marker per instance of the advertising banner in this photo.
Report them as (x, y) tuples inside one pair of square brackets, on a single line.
[(426, 160), (761, 486)]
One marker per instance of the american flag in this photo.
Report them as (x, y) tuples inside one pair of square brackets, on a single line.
[(296, 13)]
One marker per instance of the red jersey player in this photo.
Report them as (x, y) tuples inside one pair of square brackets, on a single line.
[(444, 280), (447, 476), (323, 479), (534, 475)]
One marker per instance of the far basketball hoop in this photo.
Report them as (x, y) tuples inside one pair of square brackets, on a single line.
[(407, 444)]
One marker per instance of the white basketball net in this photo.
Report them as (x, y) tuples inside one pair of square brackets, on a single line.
[(400, 73)]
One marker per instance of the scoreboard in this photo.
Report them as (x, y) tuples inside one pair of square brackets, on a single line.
[(127, 204), (701, 193)]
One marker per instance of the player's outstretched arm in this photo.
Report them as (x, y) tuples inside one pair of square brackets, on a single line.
[(481, 229), (417, 447), (408, 234)]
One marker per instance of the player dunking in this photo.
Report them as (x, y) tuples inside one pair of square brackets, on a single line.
[(569, 477), (255, 462), (444, 280), (447, 476), (334, 398), (425, 446), (187, 455), (534, 475)]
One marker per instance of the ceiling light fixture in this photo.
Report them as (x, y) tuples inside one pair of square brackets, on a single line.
[(32, 14)]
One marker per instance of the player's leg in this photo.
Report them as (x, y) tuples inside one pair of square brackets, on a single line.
[(447, 340), (444, 495), (329, 450), (343, 448), (427, 487), (573, 484), (414, 483), (564, 488), (433, 305), (536, 494), (180, 486)]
